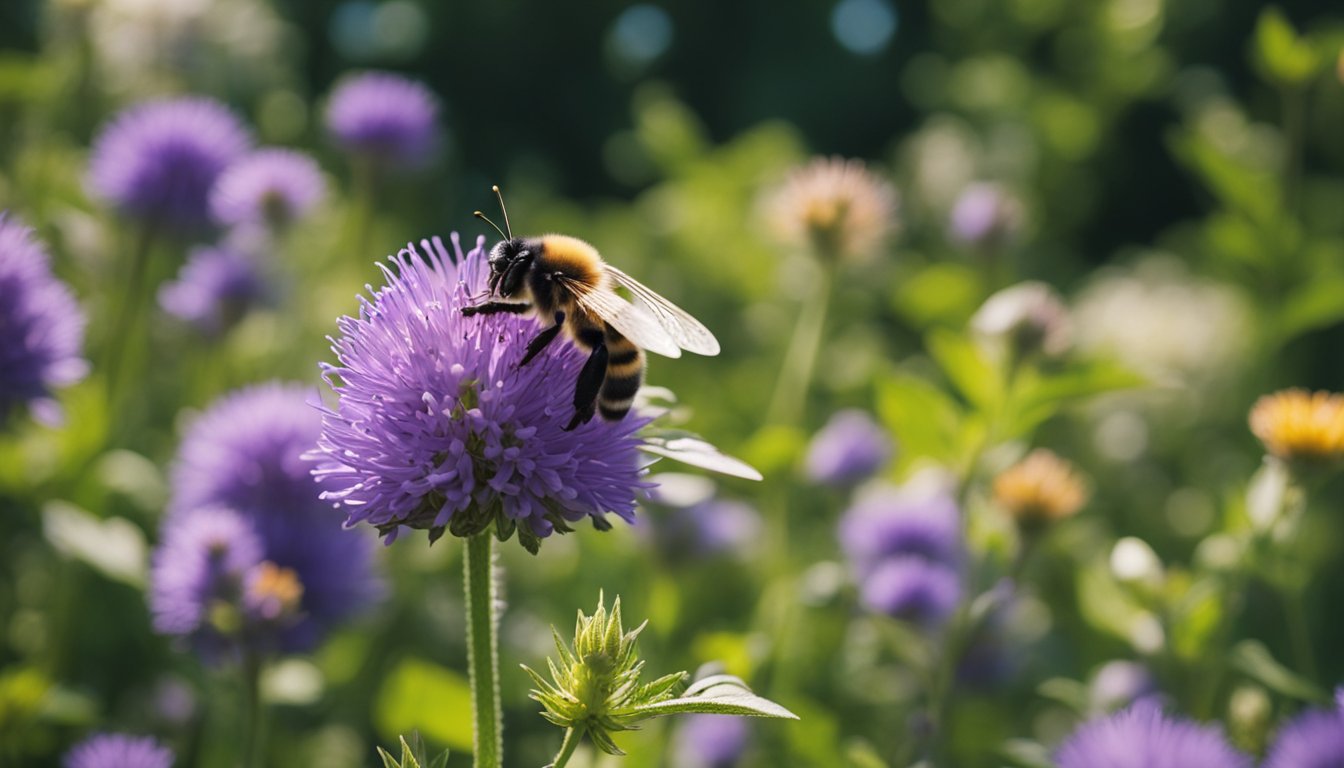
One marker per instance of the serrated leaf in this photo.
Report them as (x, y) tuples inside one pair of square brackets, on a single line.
[(716, 695), (1253, 659), (698, 453)]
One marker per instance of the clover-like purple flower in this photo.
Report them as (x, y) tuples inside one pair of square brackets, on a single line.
[(386, 119), (438, 426), (156, 162), (1313, 739), (116, 750), (269, 188), (215, 288), (42, 324), (245, 454), (850, 448), (1143, 737)]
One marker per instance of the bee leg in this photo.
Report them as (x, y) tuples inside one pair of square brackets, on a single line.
[(495, 307), (590, 382), (541, 340)]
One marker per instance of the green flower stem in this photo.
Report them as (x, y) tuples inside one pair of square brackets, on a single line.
[(1299, 632), (365, 188), (795, 378), (254, 714), (567, 747), (483, 650), (124, 329)]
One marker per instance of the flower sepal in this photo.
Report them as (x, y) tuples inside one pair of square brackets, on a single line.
[(413, 755)]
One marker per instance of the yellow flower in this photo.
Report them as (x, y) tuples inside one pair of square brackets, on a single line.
[(1040, 489), (834, 206), (1300, 426)]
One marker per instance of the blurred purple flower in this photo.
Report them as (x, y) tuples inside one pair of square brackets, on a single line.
[(214, 290), (245, 453), (710, 741), (1313, 739), (850, 448), (43, 327), (912, 588), (985, 214), (889, 522), (1120, 683), (437, 424), (116, 750), (1143, 737), (385, 118), (270, 187), (157, 161), (710, 528)]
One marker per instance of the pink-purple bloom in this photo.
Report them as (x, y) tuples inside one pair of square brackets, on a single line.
[(43, 327), (269, 188), (438, 426), (214, 290), (156, 162), (710, 741), (1142, 736), (384, 118), (1313, 739), (116, 750), (708, 529), (850, 448), (985, 215)]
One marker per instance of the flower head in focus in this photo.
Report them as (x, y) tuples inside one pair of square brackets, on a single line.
[(1024, 320), (116, 750), (1040, 489), (1143, 737), (386, 119), (985, 215), (157, 161), (1313, 739), (269, 188), (710, 741), (214, 290), (438, 427), (850, 448), (836, 207), (43, 327), (1301, 427)]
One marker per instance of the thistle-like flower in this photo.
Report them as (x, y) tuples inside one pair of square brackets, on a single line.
[(385, 119), (1040, 489), (214, 290), (835, 207), (1313, 739), (116, 750), (1143, 737), (270, 187), (438, 426), (1300, 427), (850, 448), (596, 687)]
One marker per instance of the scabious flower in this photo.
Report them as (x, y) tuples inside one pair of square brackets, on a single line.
[(216, 287), (385, 119), (835, 207), (245, 453), (116, 750), (270, 187), (710, 741), (1301, 427), (437, 426), (1313, 739), (1024, 320), (904, 546), (1143, 737), (1040, 489), (157, 161), (43, 326), (985, 215), (850, 448)]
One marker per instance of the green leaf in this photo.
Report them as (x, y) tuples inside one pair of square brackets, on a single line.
[(716, 695), (977, 380), (115, 547), (945, 293), (1283, 56), (421, 696), (923, 417), (1071, 693), (1037, 398), (1317, 303), (1024, 753), (1253, 659)]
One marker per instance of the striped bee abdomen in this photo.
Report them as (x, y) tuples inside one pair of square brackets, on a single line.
[(625, 372)]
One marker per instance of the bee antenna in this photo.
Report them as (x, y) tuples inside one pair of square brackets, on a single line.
[(482, 217), (505, 211)]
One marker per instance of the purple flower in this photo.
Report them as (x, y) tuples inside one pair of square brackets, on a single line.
[(850, 448), (1143, 737), (890, 522), (270, 187), (42, 324), (710, 741), (245, 453), (115, 750), (1313, 739), (215, 288), (384, 118), (986, 215), (912, 588), (437, 425), (157, 161), (710, 528), (1119, 683)]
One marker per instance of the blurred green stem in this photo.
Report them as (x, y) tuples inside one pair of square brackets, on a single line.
[(254, 719), (483, 650), (120, 342), (1299, 630), (571, 742), (1294, 124), (364, 183), (795, 376)]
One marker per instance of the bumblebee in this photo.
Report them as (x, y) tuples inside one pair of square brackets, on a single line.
[(564, 281)]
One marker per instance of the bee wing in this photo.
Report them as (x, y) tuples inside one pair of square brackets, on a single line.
[(686, 331), (641, 328)]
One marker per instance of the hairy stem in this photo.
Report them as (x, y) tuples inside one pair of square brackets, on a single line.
[(567, 747), (483, 650)]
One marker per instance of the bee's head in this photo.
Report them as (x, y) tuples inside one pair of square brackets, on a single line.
[(509, 262)]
